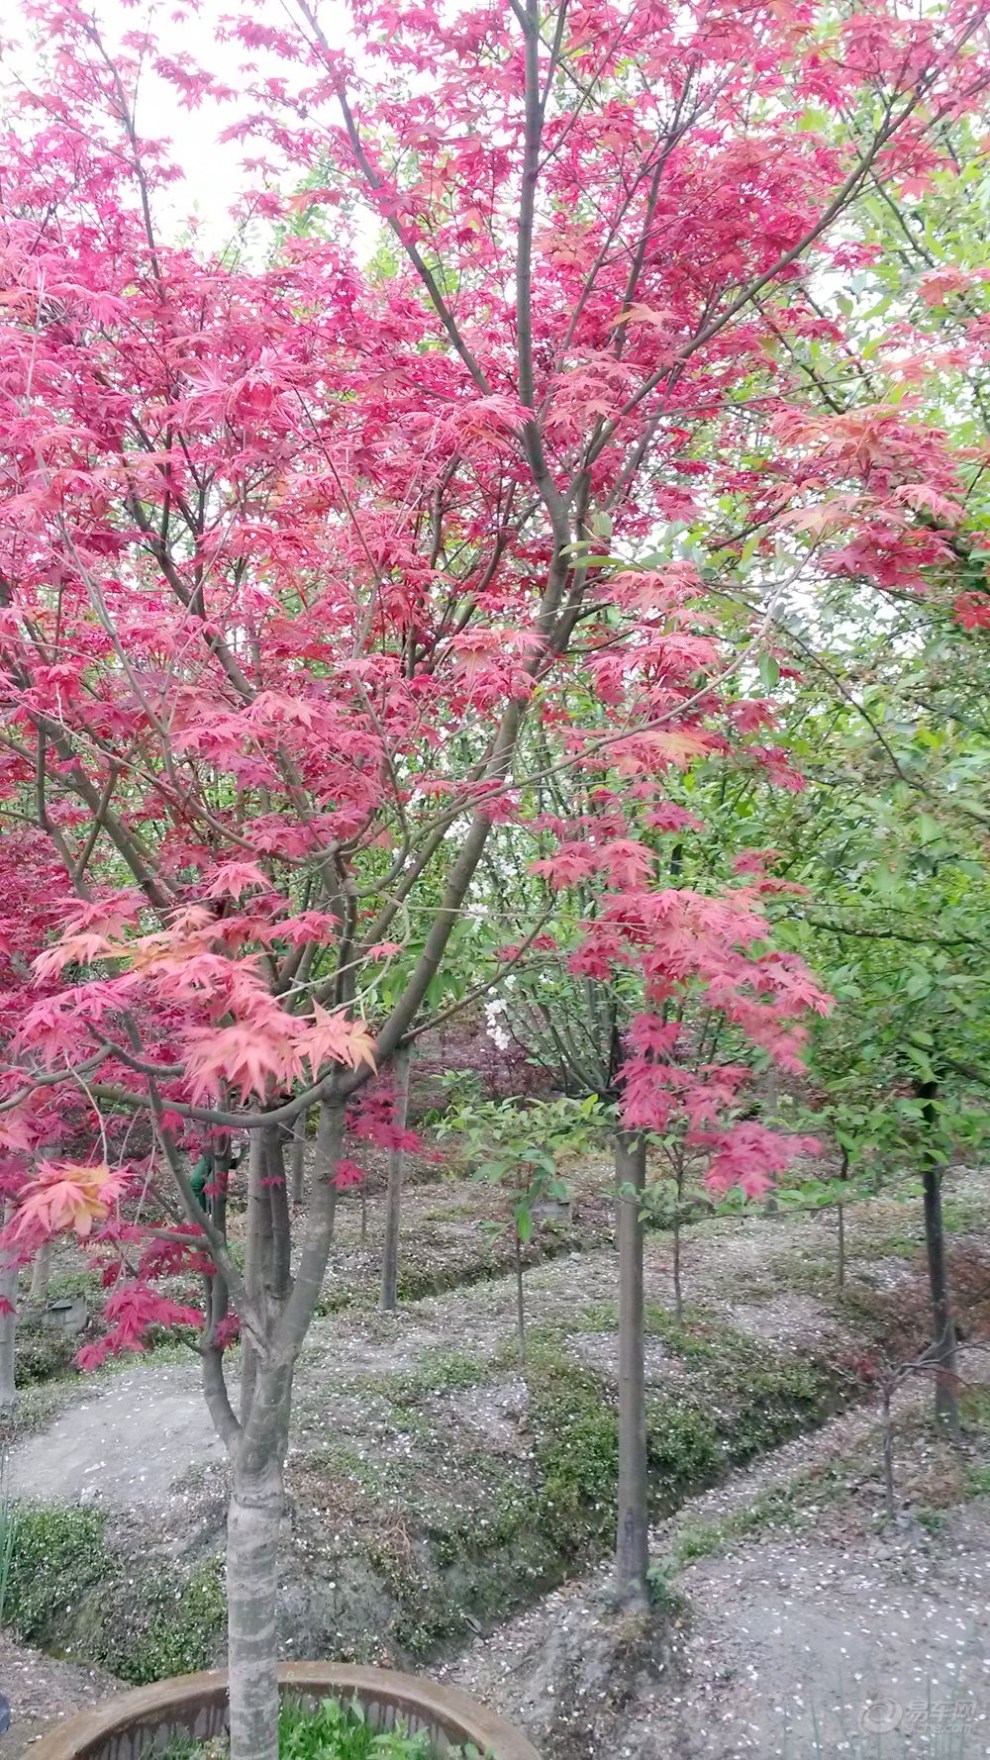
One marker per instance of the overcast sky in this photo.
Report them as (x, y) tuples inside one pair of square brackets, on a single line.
[(212, 168)]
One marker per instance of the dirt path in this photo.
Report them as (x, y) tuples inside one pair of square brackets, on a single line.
[(809, 1628), (131, 1435), (124, 1446)]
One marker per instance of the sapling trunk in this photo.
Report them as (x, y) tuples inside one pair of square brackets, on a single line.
[(632, 1539), (520, 1302), (678, 1299), (841, 1266), (943, 1353), (393, 1201), (8, 1320), (887, 1394)]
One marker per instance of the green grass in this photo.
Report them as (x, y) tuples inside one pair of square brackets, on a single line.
[(772, 1509), (436, 1372), (737, 1401), (183, 1620)]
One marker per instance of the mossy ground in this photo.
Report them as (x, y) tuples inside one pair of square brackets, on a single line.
[(72, 1592), (463, 1518)]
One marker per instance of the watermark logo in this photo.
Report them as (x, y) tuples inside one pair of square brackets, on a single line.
[(880, 1716)]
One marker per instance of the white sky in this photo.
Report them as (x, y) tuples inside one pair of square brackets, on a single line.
[(213, 174)]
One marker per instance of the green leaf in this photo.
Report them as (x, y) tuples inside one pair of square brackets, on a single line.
[(769, 671)]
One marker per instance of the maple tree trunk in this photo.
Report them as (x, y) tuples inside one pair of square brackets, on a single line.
[(254, 1230), (8, 1320), (299, 1159), (254, 1518), (943, 1324), (401, 1066), (632, 1539), (279, 1227), (41, 1272), (678, 1298), (841, 1268), (520, 1303), (888, 1451), (259, 1444), (221, 1190)]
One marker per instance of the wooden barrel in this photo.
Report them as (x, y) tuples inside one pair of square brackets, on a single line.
[(127, 1726)]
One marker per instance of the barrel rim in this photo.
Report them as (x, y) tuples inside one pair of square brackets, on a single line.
[(87, 1733)]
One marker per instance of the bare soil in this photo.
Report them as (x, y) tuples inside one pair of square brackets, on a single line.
[(39, 1688)]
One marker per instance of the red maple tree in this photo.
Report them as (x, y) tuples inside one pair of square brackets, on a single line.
[(296, 545)]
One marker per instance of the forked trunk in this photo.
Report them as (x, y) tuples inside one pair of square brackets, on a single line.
[(393, 1202), (943, 1352), (632, 1540)]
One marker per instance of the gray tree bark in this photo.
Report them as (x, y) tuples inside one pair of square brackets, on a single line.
[(393, 1202), (254, 1518), (41, 1272), (632, 1539), (9, 1277), (299, 1158), (944, 1352), (259, 1442)]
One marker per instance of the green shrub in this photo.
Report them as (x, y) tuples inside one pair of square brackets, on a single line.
[(577, 1450), (57, 1557), (41, 1353), (740, 1403), (188, 1617), (682, 1448), (334, 1731), (67, 1589)]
